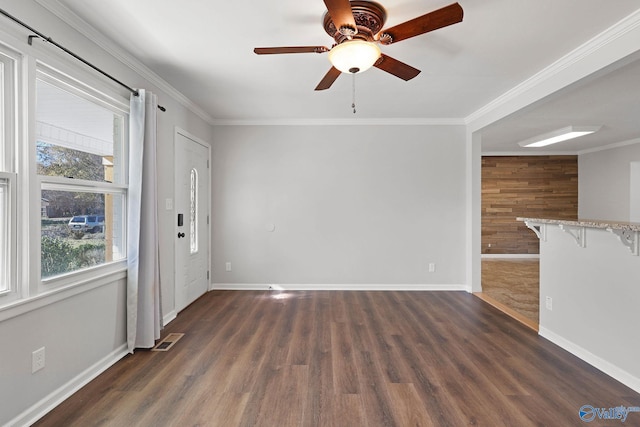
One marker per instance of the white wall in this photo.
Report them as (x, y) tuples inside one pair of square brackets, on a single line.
[(634, 190), (595, 293), (78, 334), (351, 205), (82, 333), (604, 190)]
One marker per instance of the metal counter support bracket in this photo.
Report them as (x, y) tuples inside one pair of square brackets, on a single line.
[(539, 229), (578, 233), (631, 239)]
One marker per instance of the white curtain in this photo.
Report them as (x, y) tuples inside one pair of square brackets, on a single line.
[(144, 311)]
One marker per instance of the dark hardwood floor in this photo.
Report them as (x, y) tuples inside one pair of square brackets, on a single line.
[(328, 358)]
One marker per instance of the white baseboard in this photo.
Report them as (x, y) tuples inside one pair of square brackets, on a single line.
[(510, 256), (169, 317), (44, 406), (607, 367), (337, 287)]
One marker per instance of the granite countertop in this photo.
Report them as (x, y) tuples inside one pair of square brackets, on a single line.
[(590, 223)]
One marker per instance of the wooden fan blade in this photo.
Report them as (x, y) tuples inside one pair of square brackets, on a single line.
[(397, 68), (341, 14), (293, 49), (328, 79), (440, 18)]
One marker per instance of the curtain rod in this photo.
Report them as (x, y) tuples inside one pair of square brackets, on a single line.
[(84, 61)]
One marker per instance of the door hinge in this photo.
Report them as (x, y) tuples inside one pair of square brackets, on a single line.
[(207, 219), (207, 275), (207, 164)]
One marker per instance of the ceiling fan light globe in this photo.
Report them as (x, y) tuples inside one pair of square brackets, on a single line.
[(354, 54)]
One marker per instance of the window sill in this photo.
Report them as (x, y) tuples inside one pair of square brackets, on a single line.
[(104, 277)]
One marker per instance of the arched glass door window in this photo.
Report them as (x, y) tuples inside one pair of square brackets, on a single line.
[(193, 214)]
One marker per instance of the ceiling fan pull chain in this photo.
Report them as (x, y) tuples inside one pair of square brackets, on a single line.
[(353, 98)]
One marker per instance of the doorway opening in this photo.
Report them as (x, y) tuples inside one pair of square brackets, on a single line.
[(521, 187)]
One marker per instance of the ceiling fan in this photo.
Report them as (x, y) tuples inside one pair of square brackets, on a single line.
[(356, 27)]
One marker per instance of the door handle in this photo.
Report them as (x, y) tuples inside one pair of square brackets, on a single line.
[(180, 235)]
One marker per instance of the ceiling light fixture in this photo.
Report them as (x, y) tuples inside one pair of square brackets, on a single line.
[(559, 135), (354, 56)]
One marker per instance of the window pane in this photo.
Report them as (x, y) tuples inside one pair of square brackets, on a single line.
[(54, 160), (80, 230), (4, 237), (77, 138)]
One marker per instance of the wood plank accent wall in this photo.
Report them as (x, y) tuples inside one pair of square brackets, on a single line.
[(524, 186)]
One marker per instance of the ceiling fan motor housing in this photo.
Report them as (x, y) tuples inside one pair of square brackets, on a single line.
[(369, 16)]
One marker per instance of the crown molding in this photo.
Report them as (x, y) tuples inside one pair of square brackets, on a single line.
[(72, 19), (344, 122), (585, 50), (528, 153), (610, 146)]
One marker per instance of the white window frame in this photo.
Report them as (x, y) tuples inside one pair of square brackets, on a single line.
[(119, 106), (18, 167), (9, 63), (8, 239)]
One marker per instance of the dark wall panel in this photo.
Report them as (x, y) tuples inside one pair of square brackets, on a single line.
[(524, 186)]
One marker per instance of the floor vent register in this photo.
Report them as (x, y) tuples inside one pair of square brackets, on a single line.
[(167, 342)]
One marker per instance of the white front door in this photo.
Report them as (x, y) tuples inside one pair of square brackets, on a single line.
[(191, 219)]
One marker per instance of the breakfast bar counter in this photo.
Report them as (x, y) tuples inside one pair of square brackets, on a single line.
[(627, 232), (590, 291)]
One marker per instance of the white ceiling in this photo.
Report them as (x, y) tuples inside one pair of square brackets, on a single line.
[(610, 98), (205, 50)]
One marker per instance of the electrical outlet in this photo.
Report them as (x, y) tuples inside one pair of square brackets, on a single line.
[(432, 267), (37, 360), (227, 266), (549, 303)]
